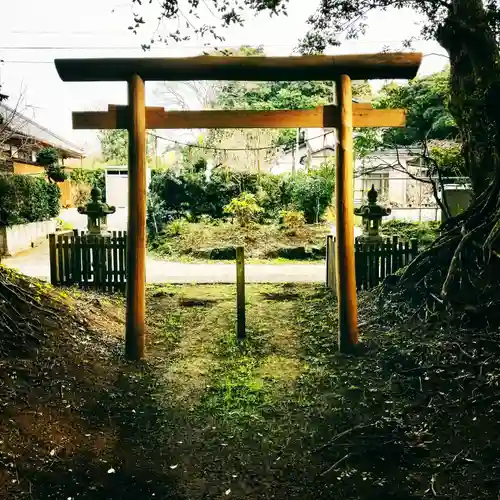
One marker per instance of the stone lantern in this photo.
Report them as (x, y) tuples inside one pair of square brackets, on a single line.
[(372, 214), (97, 212)]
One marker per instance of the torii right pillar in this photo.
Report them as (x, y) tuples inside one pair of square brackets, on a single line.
[(344, 203)]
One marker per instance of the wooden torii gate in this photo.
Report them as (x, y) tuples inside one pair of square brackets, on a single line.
[(136, 118)]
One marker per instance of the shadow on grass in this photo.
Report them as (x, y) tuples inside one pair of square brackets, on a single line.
[(356, 417), (125, 451)]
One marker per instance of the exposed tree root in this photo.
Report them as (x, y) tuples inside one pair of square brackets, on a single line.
[(459, 273)]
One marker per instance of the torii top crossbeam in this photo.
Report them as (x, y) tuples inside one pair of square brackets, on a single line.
[(295, 68)]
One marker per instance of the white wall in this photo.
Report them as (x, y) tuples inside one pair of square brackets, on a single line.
[(415, 214), (118, 221), (397, 186), (71, 216), (117, 187), (15, 239)]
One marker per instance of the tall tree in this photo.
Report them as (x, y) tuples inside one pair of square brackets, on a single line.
[(426, 101), (468, 30), (114, 146)]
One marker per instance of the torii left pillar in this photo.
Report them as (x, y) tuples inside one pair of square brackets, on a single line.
[(137, 195), (344, 210)]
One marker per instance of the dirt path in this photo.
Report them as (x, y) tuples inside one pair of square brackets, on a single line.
[(35, 263)]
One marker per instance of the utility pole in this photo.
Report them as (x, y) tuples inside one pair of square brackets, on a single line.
[(297, 152)]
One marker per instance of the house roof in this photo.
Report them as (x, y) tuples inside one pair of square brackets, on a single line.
[(22, 126)]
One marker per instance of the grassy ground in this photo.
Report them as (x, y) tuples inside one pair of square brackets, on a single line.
[(280, 416), (213, 242)]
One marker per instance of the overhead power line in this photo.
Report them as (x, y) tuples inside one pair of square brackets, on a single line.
[(7, 61), (213, 148)]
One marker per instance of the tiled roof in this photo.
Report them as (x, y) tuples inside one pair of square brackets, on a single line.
[(22, 125)]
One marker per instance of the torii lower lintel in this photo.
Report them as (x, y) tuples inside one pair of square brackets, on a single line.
[(321, 117)]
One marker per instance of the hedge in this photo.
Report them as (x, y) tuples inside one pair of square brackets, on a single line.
[(191, 193), (25, 199), (424, 232)]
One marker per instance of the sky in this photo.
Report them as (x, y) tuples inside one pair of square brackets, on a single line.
[(38, 32)]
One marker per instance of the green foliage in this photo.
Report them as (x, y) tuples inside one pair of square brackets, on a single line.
[(49, 159), (176, 228), (424, 232), (293, 221), (244, 209), (114, 146), (52, 194), (94, 177), (89, 178), (312, 192), (426, 101), (282, 95), (188, 194), (449, 159), (26, 199)]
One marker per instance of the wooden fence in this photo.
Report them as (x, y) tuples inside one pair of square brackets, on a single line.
[(373, 261), (89, 261)]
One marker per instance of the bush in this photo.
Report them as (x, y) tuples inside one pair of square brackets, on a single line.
[(81, 194), (312, 193), (292, 221), (49, 159), (26, 199), (244, 209), (176, 228), (90, 177), (192, 194), (424, 232), (53, 195)]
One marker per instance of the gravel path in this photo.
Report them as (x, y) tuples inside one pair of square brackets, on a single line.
[(35, 263)]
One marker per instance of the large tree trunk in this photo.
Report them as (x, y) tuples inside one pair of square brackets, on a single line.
[(475, 96), (461, 269)]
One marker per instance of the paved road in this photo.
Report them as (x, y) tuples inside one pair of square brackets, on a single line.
[(35, 263)]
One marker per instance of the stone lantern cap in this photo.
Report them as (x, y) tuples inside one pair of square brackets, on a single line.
[(372, 210)]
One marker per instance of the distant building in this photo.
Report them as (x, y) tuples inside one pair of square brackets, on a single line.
[(21, 139), (316, 146)]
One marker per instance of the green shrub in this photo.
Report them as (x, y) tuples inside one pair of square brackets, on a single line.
[(312, 192), (244, 209), (424, 232), (26, 199), (293, 221), (90, 177), (53, 196), (176, 228), (192, 194), (49, 159)]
